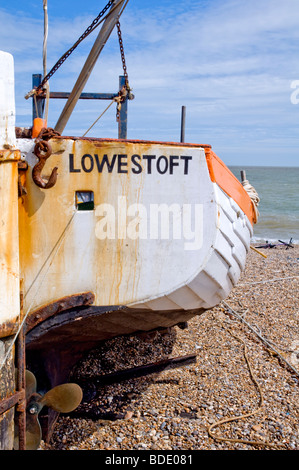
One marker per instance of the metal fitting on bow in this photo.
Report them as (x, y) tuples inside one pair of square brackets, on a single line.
[(43, 151)]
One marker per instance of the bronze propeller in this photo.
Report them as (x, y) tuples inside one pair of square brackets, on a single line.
[(63, 398)]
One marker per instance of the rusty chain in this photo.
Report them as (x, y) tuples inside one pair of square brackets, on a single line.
[(86, 33), (122, 53), (125, 92)]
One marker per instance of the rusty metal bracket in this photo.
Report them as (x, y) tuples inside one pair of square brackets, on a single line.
[(43, 151), (18, 399), (22, 166), (53, 308), (9, 155), (9, 402), (21, 368)]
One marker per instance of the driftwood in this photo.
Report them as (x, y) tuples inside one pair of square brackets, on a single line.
[(273, 245)]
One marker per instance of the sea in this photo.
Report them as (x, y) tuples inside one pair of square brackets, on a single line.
[(278, 190)]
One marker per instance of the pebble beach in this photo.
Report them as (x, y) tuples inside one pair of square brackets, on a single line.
[(240, 394)]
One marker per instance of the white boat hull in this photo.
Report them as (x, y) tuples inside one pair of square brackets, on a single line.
[(222, 264), (133, 236), (154, 241)]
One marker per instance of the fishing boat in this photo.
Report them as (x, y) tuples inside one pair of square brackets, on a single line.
[(105, 237)]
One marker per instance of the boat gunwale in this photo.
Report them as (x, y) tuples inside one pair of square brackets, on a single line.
[(134, 141)]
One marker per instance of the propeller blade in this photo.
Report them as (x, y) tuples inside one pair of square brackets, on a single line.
[(30, 383), (33, 432), (63, 398)]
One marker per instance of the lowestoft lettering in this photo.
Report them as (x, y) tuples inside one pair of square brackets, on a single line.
[(122, 163)]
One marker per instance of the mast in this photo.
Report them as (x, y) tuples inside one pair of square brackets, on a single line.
[(107, 28)]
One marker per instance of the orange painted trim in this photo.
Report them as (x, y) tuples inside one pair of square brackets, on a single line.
[(226, 180)]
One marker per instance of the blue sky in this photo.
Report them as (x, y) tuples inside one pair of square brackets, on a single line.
[(232, 63)]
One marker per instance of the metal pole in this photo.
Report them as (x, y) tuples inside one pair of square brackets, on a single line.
[(123, 115), (21, 407), (183, 123), (89, 65)]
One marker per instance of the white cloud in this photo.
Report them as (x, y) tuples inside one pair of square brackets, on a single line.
[(230, 62)]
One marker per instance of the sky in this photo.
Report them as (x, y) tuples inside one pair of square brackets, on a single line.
[(233, 64)]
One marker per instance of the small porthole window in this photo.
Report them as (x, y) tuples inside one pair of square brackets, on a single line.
[(84, 200)]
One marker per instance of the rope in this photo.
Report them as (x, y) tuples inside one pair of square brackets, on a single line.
[(261, 401), (96, 22), (117, 99), (267, 343), (56, 246), (267, 280), (246, 415), (47, 87), (99, 117), (252, 193), (35, 105)]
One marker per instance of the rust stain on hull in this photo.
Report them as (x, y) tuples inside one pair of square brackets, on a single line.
[(9, 328), (9, 242), (44, 216), (100, 141), (61, 245), (66, 303)]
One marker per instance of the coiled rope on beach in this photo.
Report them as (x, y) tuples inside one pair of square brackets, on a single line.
[(273, 351), (252, 193)]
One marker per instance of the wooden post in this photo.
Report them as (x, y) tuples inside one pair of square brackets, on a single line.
[(100, 42), (183, 123), (243, 175)]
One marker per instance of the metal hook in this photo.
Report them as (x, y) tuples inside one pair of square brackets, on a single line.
[(43, 150)]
